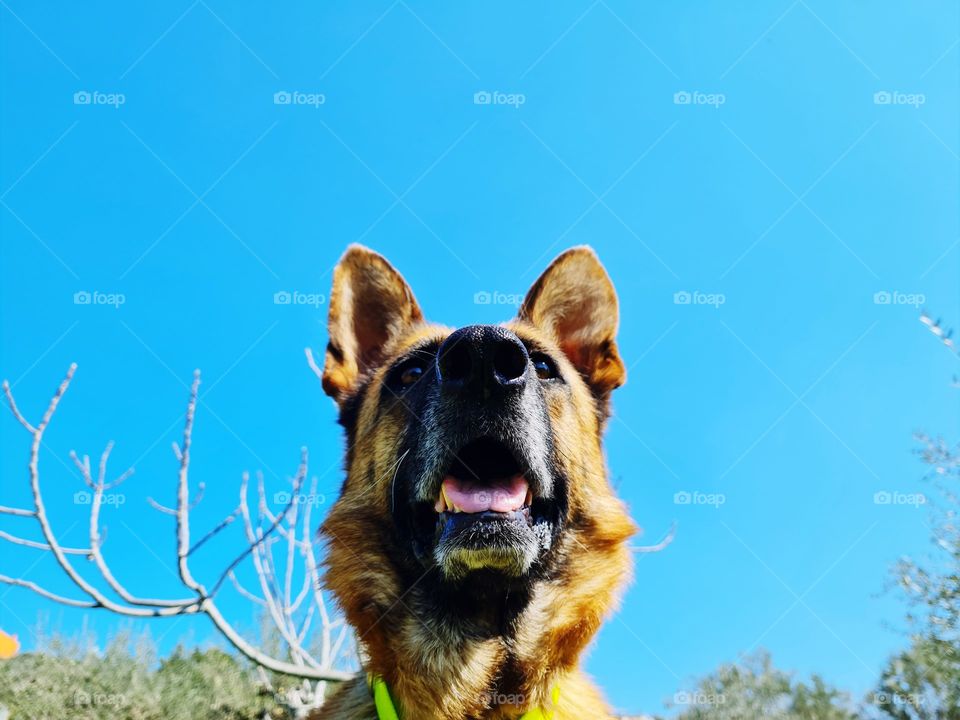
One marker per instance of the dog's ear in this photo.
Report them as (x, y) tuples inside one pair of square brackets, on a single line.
[(370, 305), (574, 301)]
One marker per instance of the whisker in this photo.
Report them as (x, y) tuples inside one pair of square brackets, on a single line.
[(393, 482)]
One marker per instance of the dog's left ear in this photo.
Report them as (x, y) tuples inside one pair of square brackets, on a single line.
[(370, 305), (574, 301)]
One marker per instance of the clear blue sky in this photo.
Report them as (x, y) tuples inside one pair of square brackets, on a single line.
[(784, 185)]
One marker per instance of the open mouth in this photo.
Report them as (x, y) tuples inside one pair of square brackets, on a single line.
[(489, 509), (485, 477)]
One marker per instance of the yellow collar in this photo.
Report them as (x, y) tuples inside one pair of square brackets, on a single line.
[(387, 711)]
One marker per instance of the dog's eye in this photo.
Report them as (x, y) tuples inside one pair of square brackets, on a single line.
[(408, 373), (543, 366)]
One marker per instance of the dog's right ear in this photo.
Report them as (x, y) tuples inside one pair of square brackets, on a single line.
[(370, 305)]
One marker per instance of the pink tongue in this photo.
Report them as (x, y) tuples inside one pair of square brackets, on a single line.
[(503, 495)]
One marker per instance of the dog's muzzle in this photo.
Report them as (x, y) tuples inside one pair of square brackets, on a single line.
[(484, 489)]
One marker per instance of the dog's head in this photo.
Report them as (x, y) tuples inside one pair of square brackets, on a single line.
[(474, 455)]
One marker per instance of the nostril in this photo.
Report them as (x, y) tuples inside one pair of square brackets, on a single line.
[(455, 362), (510, 360), (481, 357)]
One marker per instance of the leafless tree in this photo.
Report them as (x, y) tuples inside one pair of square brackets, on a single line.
[(318, 644)]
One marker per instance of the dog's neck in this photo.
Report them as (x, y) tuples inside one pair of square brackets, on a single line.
[(478, 650)]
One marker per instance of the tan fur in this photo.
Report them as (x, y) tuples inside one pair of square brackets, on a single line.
[(575, 302), (433, 672), (370, 305)]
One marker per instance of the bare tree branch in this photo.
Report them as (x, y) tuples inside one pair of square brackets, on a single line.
[(261, 562), (282, 607), (246, 593), (161, 508), (16, 511), (183, 494), (46, 593), (223, 524), (667, 539), (317, 370), (15, 410), (293, 499), (39, 545)]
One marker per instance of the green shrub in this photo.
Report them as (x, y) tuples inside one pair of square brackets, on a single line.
[(127, 682)]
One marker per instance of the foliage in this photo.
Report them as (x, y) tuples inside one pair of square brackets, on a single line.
[(754, 688), (923, 681), (127, 682)]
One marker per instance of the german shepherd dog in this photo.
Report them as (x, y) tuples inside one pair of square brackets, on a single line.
[(477, 544)]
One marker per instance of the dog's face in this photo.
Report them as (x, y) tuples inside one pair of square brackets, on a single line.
[(474, 454)]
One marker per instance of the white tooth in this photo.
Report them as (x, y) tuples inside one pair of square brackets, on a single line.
[(529, 499)]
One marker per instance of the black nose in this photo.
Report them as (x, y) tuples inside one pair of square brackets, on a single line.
[(482, 358)]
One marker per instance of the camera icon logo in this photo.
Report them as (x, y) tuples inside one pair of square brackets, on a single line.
[(282, 297), (883, 97), (82, 97), (282, 97), (682, 498), (482, 97), (482, 298), (82, 297), (882, 298), (682, 297), (82, 497), (682, 98)]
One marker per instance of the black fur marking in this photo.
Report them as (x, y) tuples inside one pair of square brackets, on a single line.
[(349, 414)]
